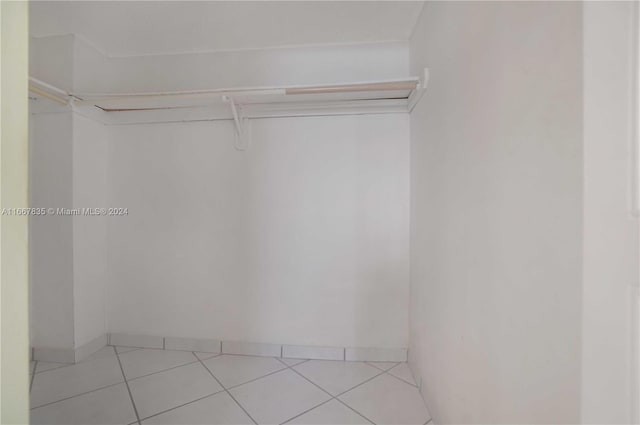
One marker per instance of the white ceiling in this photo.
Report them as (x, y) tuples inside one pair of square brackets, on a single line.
[(157, 27)]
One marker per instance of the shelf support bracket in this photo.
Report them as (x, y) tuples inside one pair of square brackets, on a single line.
[(242, 125), (419, 91)]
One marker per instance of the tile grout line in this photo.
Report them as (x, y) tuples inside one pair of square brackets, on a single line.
[(160, 371), (181, 405), (184, 404), (164, 370), (286, 366), (137, 347), (87, 359), (331, 395), (306, 411), (54, 368), (336, 396), (388, 372), (154, 373), (77, 395), (212, 357), (33, 375), (424, 403), (354, 410), (343, 392), (259, 377), (402, 380), (383, 372), (135, 409), (226, 390), (132, 348)]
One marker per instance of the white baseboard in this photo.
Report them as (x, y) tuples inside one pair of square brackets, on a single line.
[(90, 347), (140, 341), (55, 355), (310, 352), (251, 348), (376, 354), (371, 354), (193, 344), (69, 355)]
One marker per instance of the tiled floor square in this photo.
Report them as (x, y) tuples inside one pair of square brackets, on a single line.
[(121, 350), (216, 409), (44, 366), (388, 400), (234, 370), (337, 376), (278, 397), (403, 372), (292, 362), (171, 388), (145, 361), (106, 351), (382, 365), (72, 380), (332, 412), (203, 356), (111, 405)]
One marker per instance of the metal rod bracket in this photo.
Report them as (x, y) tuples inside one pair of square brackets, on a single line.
[(242, 125)]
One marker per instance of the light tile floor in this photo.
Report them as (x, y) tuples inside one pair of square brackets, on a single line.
[(120, 385)]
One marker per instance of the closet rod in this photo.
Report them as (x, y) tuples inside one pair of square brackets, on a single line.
[(404, 84), (51, 92), (409, 85), (47, 90)]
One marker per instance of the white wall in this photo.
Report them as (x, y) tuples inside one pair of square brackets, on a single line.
[(496, 237), (51, 59), (302, 239), (89, 232), (68, 156), (50, 236), (611, 252), (254, 68), (73, 64), (359, 249)]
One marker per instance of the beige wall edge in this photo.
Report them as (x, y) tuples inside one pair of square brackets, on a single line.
[(14, 366)]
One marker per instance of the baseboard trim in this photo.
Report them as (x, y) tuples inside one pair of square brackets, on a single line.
[(55, 355), (90, 347), (370, 354), (251, 349), (376, 354), (315, 353), (139, 341), (193, 344), (69, 355)]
